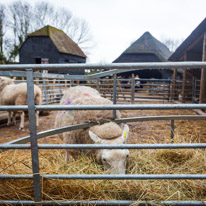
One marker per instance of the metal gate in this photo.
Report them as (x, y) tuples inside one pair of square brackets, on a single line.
[(34, 146)]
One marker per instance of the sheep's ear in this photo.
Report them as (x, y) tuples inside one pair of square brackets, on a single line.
[(94, 137), (125, 133)]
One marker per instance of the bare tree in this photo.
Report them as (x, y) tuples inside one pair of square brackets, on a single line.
[(80, 31), (171, 43), (45, 14), (19, 17), (24, 18), (41, 11), (76, 28), (20, 20), (2, 32), (2, 17)]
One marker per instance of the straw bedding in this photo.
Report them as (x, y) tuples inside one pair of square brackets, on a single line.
[(187, 161), (141, 162)]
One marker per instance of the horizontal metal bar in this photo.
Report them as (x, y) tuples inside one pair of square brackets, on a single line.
[(153, 80), (164, 117), (26, 139), (121, 177), (107, 107), (121, 107), (154, 65), (12, 73), (16, 176), (109, 176), (50, 132), (14, 108), (106, 146), (106, 202)]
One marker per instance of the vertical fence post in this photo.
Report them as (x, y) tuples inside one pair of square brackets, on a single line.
[(72, 83), (184, 85), (45, 91), (132, 89), (97, 85), (53, 97), (33, 137), (60, 90), (115, 94), (65, 83), (172, 130), (196, 92), (169, 92), (193, 90), (174, 86)]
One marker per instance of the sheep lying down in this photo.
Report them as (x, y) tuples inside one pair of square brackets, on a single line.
[(113, 160)]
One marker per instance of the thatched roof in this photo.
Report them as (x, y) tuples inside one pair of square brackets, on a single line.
[(147, 45), (193, 42), (63, 43)]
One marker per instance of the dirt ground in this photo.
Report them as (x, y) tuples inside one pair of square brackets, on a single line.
[(140, 132), (9, 133)]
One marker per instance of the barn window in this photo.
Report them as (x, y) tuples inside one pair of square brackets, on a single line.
[(38, 60)]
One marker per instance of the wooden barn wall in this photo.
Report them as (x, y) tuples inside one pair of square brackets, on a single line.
[(193, 56), (43, 47), (68, 58)]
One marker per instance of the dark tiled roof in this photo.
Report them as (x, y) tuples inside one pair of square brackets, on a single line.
[(195, 35), (147, 44), (63, 43)]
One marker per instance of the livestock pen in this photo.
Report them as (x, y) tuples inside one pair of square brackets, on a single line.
[(126, 91), (39, 177)]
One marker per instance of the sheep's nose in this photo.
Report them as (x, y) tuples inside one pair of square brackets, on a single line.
[(117, 171)]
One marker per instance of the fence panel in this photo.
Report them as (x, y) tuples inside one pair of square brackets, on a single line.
[(33, 133)]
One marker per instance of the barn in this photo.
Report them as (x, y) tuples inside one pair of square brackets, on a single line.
[(193, 48), (51, 46), (146, 49)]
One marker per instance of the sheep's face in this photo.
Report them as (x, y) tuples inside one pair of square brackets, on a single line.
[(113, 160)]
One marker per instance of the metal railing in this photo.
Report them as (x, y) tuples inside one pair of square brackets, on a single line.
[(151, 89), (126, 90), (34, 146)]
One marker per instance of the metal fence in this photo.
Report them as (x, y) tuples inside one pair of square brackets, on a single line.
[(126, 89), (34, 146)]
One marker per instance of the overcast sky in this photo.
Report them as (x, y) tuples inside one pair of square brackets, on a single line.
[(115, 24)]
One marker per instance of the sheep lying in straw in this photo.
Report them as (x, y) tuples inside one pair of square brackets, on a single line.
[(16, 94), (107, 133)]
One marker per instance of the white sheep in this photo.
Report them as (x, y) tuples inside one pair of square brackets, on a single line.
[(107, 133), (16, 94)]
